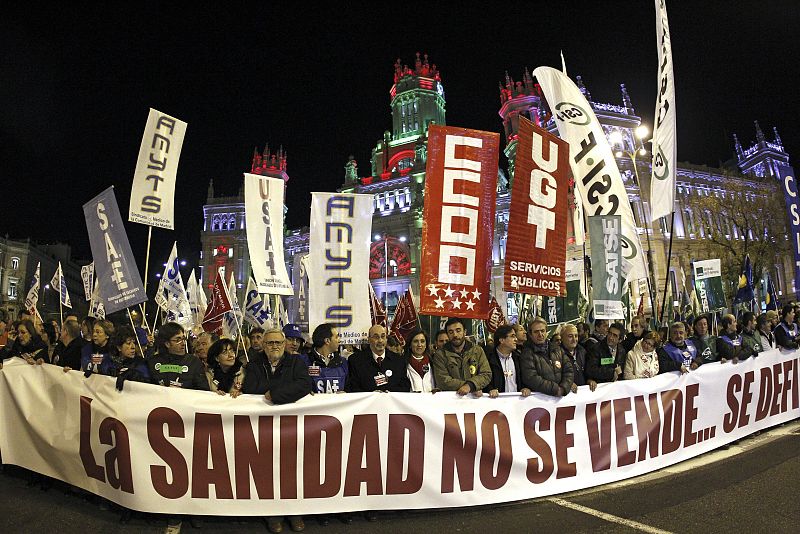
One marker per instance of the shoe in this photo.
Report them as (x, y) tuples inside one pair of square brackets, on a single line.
[(275, 524), (346, 518), (371, 516), (323, 520), (296, 523)]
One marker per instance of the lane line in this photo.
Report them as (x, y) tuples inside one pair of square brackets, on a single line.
[(608, 517)]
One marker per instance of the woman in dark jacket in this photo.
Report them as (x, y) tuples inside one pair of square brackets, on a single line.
[(127, 364), (171, 366), (29, 345), (96, 356), (225, 371)]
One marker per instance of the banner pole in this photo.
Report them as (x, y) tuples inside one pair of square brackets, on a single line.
[(139, 343), (244, 347), (146, 266), (666, 273)]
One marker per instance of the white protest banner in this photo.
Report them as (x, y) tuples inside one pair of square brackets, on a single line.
[(153, 449), (341, 233), (256, 309), (153, 190), (87, 275), (232, 320), (178, 308), (665, 146), (32, 298), (597, 178), (263, 204), (58, 283)]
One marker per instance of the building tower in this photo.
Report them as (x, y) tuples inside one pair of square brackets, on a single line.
[(763, 158)]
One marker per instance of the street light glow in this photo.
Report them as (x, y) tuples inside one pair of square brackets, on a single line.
[(615, 137), (642, 151), (619, 153), (642, 131)]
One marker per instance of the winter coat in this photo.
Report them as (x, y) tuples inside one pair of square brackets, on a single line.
[(452, 370), (229, 381), (498, 380), (423, 384), (600, 365), (671, 356), (287, 383), (366, 375), (578, 359), (183, 371), (330, 378), (545, 369), (640, 364)]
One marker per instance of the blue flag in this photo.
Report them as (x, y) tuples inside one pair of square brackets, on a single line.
[(772, 296), (116, 274), (745, 292)]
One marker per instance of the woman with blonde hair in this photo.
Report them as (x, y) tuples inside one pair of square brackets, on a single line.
[(642, 361)]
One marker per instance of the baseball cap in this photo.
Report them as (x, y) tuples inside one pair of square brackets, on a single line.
[(292, 330)]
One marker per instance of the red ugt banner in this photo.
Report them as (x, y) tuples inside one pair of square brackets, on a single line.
[(458, 222), (536, 248)]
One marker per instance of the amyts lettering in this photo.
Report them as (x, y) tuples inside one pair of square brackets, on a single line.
[(157, 164), (338, 258), (112, 256)]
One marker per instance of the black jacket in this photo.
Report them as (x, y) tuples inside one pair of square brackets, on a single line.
[(599, 363), (631, 339), (69, 355), (184, 371), (364, 372), (578, 360), (288, 383), (498, 380), (545, 368)]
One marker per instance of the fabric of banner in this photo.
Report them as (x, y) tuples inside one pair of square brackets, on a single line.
[(665, 145), (557, 310), (341, 232), (537, 221), (458, 222), (232, 320), (608, 282), (87, 275), (299, 304), (405, 316), (153, 191), (256, 311), (263, 206), (708, 284), (177, 306), (496, 317), (59, 284), (220, 305), (594, 168), (114, 263), (160, 449), (378, 314), (788, 179), (32, 298)]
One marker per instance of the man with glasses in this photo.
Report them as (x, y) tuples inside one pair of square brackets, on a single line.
[(171, 366), (606, 358), (375, 368), (282, 378)]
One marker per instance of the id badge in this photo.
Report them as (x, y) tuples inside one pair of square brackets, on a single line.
[(313, 370), (606, 361), (381, 380), (97, 359)]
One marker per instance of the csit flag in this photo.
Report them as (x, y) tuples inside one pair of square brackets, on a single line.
[(60, 284), (537, 224), (458, 222), (496, 318), (220, 305), (405, 316)]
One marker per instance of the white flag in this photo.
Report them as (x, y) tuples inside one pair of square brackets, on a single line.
[(174, 291), (594, 168), (32, 298), (263, 206), (256, 309), (281, 316), (153, 190), (96, 307), (58, 283), (665, 146), (87, 274), (193, 291), (232, 320)]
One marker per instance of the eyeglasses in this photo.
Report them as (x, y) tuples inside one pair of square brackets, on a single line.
[(274, 343), (179, 339)]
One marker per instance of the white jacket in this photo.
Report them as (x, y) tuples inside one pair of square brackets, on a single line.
[(419, 383), (640, 364)]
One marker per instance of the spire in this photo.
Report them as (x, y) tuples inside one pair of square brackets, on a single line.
[(582, 87), (777, 137), (509, 82), (759, 134), (626, 99), (738, 146), (210, 194)]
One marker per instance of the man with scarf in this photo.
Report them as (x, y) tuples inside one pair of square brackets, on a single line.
[(786, 333), (730, 345), (679, 354)]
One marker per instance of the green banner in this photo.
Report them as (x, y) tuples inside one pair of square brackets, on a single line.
[(557, 310), (708, 285), (608, 279)]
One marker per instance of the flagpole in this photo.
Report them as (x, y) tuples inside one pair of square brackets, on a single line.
[(136, 337), (666, 274), (146, 266)]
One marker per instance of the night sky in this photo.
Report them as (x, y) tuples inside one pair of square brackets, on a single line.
[(76, 86)]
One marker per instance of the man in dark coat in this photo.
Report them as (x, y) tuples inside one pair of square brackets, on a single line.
[(576, 354), (68, 352), (679, 354), (282, 378), (606, 358), (375, 368), (503, 360), (545, 368)]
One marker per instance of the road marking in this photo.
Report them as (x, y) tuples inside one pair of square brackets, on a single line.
[(608, 517)]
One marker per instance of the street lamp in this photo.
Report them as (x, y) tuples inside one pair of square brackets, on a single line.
[(641, 132)]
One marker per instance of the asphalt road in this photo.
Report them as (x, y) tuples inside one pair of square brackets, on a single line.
[(752, 486)]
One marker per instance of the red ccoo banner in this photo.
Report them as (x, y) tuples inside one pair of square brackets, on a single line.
[(536, 250), (458, 222)]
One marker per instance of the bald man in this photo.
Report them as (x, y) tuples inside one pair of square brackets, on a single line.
[(375, 368)]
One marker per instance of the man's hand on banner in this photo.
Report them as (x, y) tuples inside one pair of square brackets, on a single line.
[(526, 392)]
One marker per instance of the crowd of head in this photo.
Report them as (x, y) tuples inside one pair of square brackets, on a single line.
[(281, 366)]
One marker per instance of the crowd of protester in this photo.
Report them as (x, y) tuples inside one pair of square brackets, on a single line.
[(281, 366)]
